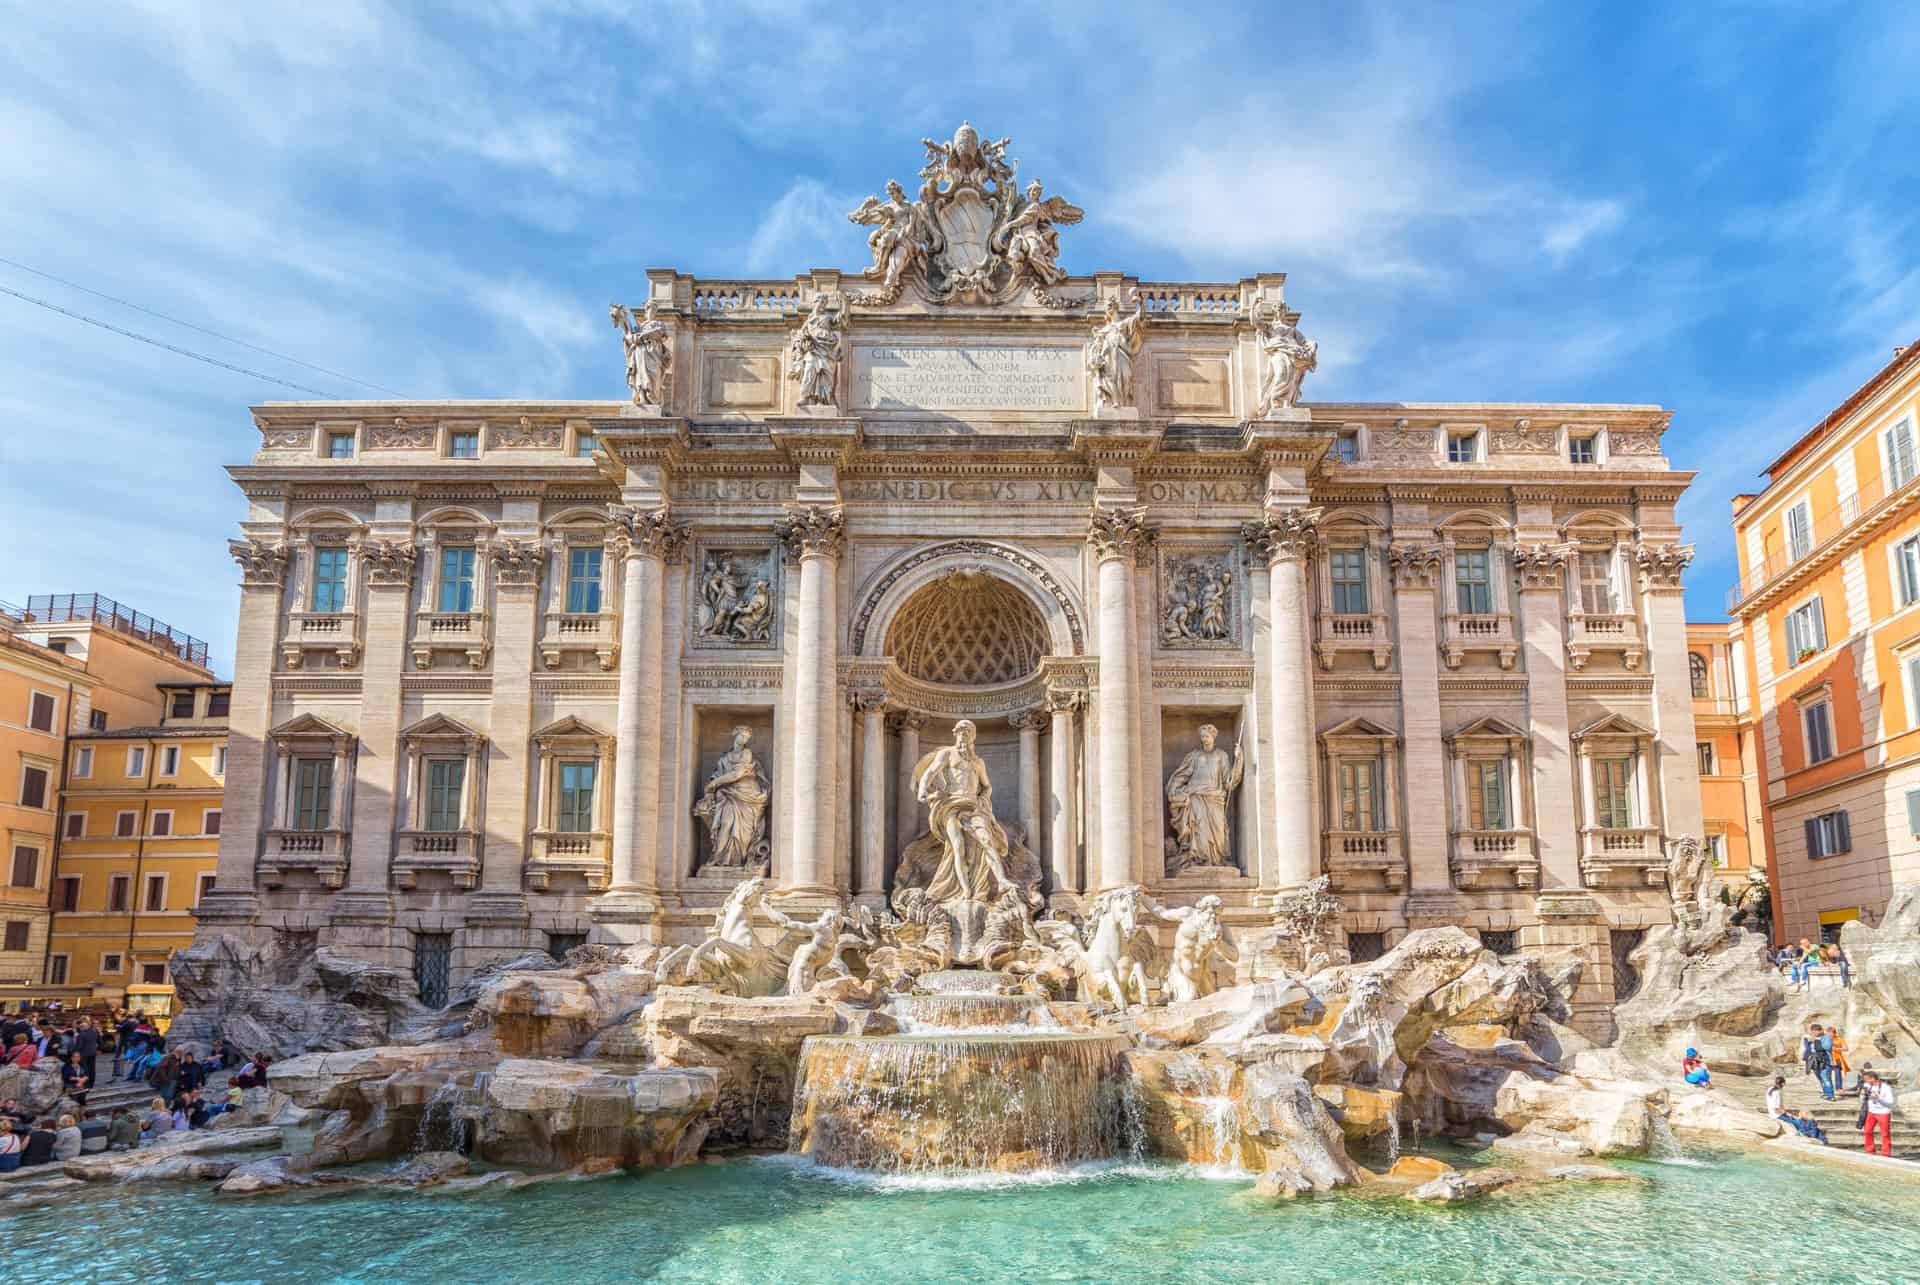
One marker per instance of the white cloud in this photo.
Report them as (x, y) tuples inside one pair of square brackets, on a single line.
[(1581, 223), (807, 227)]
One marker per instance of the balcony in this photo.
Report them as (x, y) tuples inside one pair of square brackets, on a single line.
[(1494, 861), (321, 631), (586, 855), (597, 632), (1365, 861), (1363, 633), (1462, 633), (321, 853), (1614, 631), (1871, 503), (462, 633), (454, 853), (1633, 858)]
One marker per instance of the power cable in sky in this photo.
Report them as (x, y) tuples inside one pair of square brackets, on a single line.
[(74, 285), (184, 352)]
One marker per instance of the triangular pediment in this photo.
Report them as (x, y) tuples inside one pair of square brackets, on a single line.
[(1613, 725), (309, 726), (1488, 727), (1360, 729), (570, 726), (440, 726)]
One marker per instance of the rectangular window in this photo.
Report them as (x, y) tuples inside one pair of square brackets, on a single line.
[(1596, 582), (83, 761), (124, 824), (17, 930), (218, 703), (210, 821), (156, 898), (202, 886), (583, 444), (583, 580), (40, 712), (1828, 835), (66, 896), (1473, 581), (1487, 794), (119, 894), (112, 961), (1906, 570), (160, 825), (136, 760), (330, 579), (456, 579), (153, 974), (575, 815), (1705, 750), (1806, 631), (97, 720), (219, 760), (444, 778), (1463, 448), (1348, 568), (1583, 449), (76, 825), (463, 446), (1799, 530), (1817, 718), (181, 706), (56, 970), (433, 966), (1360, 802), (339, 446), (1900, 461), (1346, 448), (1613, 794), (169, 760), (33, 787), (26, 866), (1717, 849), (312, 793)]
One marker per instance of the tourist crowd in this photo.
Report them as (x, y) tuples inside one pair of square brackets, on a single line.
[(136, 1052), (1798, 962), (1823, 1053)]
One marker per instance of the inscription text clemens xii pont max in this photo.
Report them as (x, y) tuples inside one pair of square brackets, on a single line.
[(977, 377)]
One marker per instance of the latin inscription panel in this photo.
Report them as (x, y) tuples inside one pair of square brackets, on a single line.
[(968, 377)]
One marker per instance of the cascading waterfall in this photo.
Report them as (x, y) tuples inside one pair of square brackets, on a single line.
[(444, 1123)]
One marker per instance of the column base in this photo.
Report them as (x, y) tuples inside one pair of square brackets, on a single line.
[(624, 917)]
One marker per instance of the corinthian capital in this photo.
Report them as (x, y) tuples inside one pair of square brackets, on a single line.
[(1120, 533), (1541, 566), (1415, 566), (813, 530), (649, 533), (1291, 535), (516, 563), (389, 563), (1661, 564), (262, 565)]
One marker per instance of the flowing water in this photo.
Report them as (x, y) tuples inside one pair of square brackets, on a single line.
[(1744, 1219)]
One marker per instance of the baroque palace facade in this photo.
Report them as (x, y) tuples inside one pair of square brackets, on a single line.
[(515, 674)]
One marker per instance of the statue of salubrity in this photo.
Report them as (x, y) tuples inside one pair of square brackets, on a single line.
[(1197, 796), (734, 806)]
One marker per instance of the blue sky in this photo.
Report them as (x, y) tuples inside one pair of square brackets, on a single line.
[(1703, 206)]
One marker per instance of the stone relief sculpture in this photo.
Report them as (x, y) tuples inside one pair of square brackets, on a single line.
[(649, 345), (1110, 354), (736, 597), (1198, 607), (733, 804), (1199, 938), (1290, 357), (814, 353), (1197, 797), (1110, 963), (1305, 916), (1691, 885), (971, 236)]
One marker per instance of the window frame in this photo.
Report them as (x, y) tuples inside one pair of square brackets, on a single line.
[(1358, 581), (220, 760), (1804, 507), (169, 761), (1372, 819), (1461, 584), (44, 774), (119, 893), (561, 792), (83, 763), (1699, 676), (136, 762), (333, 439), (1707, 756), (319, 807), (1890, 459), (153, 879), (218, 817), (23, 848), (1607, 558), (126, 823), (1823, 704), (34, 698), (329, 558), (26, 931), (59, 968), (160, 823), (443, 807), (1342, 440), (204, 882), (585, 442), (220, 703), (68, 830), (1615, 806), (1831, 832), (1798, 652), (173, 705), (1478, 814), (457, 571), (594, 586), (65, 897), (1473, 453), (117, 967), (1591, 443), (457, 438)]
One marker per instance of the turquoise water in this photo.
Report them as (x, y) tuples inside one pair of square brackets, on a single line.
[(769, 1220)]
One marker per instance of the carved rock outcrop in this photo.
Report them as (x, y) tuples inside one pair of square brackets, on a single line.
[(551, 1114), (286, 1001)]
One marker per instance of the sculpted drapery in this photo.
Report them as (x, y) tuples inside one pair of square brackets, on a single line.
[(734, 806), (1197, 794), (952, 782)]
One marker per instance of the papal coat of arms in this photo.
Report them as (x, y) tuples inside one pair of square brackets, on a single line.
[(972, 236)]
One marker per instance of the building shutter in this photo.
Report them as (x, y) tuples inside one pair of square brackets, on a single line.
[(1913, 812), (1845, 836), (1813, 838)]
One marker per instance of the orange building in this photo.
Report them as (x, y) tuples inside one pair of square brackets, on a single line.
[(1828, 606), (1724, 742)]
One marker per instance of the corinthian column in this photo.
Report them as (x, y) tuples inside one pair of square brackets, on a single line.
[(642, 542), (815, 535), (907, 817), (1028, 723), (1119, 538), (1060, 799), (1287, 540), (871, 708)]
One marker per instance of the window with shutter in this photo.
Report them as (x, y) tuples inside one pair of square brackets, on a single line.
[(444, 778), (40, 712), (1818, 721), (1900, 458), (1799, 531), (1913, 812)]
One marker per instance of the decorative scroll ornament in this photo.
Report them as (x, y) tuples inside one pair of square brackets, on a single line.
[(650, 532), (1415, 566), (813, 530), (1290, 357), (1541, 566), (262, 565), (516, 563), (649, 345), (1289, 535), (971, 237), (1120, 533), (814, 352), (1662, 564), (389, 563)]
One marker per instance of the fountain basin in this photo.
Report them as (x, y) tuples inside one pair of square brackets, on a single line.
[(958, 1011), (957, 1102)]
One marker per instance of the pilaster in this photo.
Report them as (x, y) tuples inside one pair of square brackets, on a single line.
[(1539, 570), (1286, 540), (1419, 570), (1661, 567), (263, 569), (389, 567), (516, 566)]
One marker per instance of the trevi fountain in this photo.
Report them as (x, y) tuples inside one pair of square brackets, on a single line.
[(775, 949)]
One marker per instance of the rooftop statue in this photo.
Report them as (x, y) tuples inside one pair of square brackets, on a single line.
[(649, 345)]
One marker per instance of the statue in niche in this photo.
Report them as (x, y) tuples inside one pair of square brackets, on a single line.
[(1290, 355), (1110, 354), (1199, 604), (734, 807), (1197, 796), (1199, 938), (952, 782), (649, 345), (813, 354), (734, 606)]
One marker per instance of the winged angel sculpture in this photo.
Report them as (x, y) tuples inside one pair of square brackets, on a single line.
[(971, 236)]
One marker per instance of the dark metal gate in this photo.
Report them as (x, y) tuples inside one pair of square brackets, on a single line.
[(433, 966)]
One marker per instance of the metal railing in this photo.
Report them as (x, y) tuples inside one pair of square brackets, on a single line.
[(93, 608), (1826, 527)]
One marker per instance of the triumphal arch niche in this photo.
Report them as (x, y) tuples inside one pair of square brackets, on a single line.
[(962, 569)]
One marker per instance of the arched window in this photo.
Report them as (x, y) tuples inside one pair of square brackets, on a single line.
[(1697, 672)]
